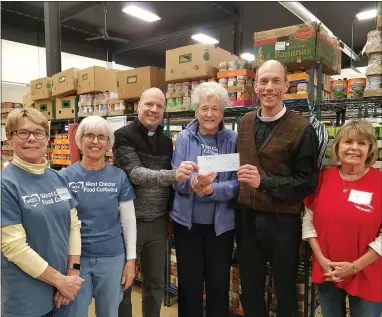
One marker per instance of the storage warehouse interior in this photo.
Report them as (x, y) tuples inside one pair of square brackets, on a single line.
[(71, 60)]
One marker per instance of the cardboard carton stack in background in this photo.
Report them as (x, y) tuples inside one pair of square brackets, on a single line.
[(41, 97), (190, 64)]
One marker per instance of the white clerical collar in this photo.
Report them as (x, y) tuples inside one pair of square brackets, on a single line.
[(274, 118), (150, 133)]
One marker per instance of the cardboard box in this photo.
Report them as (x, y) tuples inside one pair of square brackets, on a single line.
[(27, 100), (299, 47), (65, 83), (131, 83), (195, 61), (97, 79), (46, 107), (41, 88), (66, 107)]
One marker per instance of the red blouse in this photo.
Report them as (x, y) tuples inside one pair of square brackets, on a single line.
[(345, 231)]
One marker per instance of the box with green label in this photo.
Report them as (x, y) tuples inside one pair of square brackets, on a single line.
[(65, 83), (46, 107), (66, 107), (41, 88), (195, 62), (131, 83), (96, 79), (299, 47)]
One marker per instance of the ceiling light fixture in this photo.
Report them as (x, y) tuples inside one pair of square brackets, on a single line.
[(366, 15), (203, 38), (141, 13), (305, 15), (248, 56)]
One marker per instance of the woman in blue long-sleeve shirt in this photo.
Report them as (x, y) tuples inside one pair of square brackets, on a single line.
[(203, 216)]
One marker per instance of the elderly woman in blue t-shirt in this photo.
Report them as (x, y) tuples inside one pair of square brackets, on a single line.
[(108, 231), (202, 213), (40, 230)]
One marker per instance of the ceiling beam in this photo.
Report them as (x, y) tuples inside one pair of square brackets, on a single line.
[(176, 34), (77, 10), (222, 6)]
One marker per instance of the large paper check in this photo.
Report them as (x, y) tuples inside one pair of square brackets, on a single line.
[(219, 163)]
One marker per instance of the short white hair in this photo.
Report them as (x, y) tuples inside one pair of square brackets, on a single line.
[(94, 123), (210, 89)]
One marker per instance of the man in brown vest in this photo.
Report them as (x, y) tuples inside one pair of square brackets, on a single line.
[(278, 158)]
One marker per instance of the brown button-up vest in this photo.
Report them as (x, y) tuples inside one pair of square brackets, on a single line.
[(273, 158)]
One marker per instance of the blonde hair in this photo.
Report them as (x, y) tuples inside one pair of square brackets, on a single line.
[(361, 130), (93, 123), (15, 117)]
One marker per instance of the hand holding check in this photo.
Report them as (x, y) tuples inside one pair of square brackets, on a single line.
[(185, 170)]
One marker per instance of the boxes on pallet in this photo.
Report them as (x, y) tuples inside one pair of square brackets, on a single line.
[(65, 83), (65, 107), (46, 107), (195, 61), (27, 100), (299, 47), (96, 79), (131, 83), (41, 88)]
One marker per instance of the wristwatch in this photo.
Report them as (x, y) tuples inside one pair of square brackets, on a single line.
[(75, 266)]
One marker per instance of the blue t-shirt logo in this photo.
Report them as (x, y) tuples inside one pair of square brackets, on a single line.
[(76, 186), (31, 200)]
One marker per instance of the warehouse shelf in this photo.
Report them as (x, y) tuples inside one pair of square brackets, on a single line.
[(351, 104)]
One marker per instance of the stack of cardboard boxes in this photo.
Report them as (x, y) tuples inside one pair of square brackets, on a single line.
[(101, 91), (189, 66)]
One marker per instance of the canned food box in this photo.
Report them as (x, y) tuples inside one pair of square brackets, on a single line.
[(223, 82), (232, 65), (232, 81), (241, 81)]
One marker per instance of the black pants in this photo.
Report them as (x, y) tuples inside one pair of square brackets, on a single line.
[(272, 237), (203, 257), (151, 249)]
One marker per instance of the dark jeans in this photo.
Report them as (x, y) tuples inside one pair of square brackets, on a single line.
[(203, 257), (151, 248), (272, 237), (333, 303)]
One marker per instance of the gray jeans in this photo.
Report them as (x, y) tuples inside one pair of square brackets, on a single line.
[(151, 248)]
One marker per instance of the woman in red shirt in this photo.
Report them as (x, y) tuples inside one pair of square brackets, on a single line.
[(343, 224)]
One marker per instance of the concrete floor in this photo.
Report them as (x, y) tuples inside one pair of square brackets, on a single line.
[(137, 306)]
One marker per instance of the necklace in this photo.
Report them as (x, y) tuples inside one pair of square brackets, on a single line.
[(347, 188)]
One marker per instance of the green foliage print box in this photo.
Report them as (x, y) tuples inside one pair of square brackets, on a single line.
[(299, 46)]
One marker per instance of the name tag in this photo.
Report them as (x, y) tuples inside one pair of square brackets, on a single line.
[(359, 197), (63, 193)]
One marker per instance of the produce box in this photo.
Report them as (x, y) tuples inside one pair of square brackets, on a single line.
[(131, 83), (97, 79), (65, 107), (46, 107), (41, 88), (299, 47), (65, 83), (27, 100), (195, 62)]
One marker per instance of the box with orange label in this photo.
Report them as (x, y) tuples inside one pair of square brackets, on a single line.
[(46, 107), (131, 83), (41, 88), (65, 83), (66, 107), (97, 79), (299, 47)]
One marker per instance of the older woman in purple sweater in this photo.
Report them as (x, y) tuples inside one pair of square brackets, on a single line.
[(203, 216)]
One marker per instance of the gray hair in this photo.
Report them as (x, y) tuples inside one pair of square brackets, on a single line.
[(93, 123), (210, 89)]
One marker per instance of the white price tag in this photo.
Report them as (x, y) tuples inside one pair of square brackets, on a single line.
[(63, 193), (359, 197), (280, 46)]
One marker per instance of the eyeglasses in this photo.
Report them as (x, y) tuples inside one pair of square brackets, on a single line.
[(92, 136), (25, 134)]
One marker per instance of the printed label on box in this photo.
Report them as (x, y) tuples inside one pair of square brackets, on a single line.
[(280, 46)]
